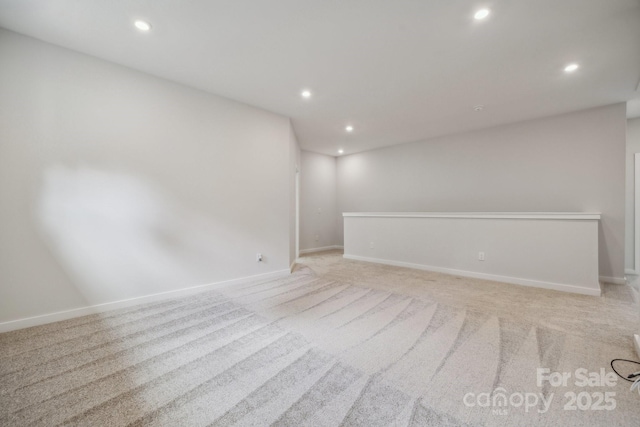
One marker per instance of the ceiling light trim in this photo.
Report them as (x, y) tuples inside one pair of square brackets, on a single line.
[(571, 68), (482, 14), (142, 25)]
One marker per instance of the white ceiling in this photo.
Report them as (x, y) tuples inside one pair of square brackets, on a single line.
[(397, 70)]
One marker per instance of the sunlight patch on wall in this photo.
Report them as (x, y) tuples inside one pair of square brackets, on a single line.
[(120, 237)]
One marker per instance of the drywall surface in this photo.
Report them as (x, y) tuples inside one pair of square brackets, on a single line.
[(557, 252), (567, 163), (115, 184), (318, 214), (294, 193), (633, 146)]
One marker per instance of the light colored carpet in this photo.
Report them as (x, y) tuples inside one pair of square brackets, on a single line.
[(336, 343)]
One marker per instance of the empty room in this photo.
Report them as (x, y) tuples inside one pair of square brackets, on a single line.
[(319, 213)]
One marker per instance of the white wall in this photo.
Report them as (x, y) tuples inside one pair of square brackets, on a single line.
[(294, 167), (567, 163), (115, 184), (548, 251), (318, 214), (633, 146)]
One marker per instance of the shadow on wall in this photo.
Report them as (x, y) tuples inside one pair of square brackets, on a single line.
[(120, 237)]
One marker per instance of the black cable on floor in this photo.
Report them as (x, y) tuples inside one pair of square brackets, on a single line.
[(634, 375)]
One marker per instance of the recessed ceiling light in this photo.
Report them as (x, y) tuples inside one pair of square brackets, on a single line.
[(481, 14), (478, 108), (349, 128), (142, 25), (340, 151), (306, 94), (571, 68)]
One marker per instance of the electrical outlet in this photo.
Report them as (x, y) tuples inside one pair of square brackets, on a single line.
[(371, 245), (317, 237), (259, 257), (480, 256)]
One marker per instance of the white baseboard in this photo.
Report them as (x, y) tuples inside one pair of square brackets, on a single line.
[(614, 280), (513, 280), (322, 249), (100, 308)]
